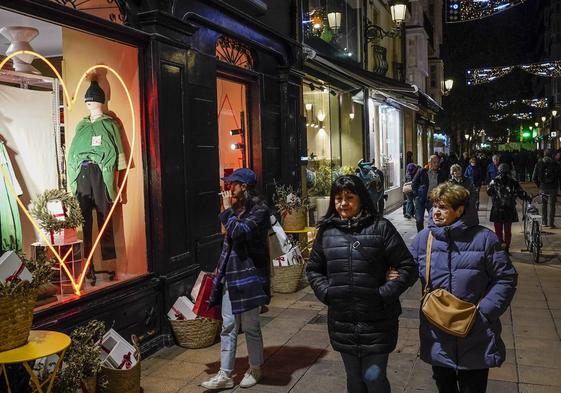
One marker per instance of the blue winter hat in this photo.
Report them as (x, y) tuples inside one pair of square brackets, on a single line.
[(242, 175)]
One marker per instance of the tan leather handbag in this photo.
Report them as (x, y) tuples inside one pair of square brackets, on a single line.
[(407, 187), (444, 310)]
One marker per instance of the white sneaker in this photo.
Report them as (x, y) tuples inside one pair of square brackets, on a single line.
[(251, 377), (219, 381)]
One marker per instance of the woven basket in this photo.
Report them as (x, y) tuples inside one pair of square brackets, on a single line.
[(195, 333), (16, 317), (294, 221), (286, 279), (88, 385), (110, 380)]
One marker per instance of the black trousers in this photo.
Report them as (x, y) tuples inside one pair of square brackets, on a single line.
[(92, 194), (449, 380)]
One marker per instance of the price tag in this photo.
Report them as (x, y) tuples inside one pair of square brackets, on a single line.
[(96, 140)]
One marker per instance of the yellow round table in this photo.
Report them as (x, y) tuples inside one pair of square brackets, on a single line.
[(41, 344)]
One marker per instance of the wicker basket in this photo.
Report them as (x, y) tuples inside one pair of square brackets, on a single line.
[(286, 279), (110, 380), (294, 221), (88, 385), (196, 333), (16, 317)]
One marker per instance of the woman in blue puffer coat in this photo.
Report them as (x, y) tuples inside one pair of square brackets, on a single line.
[(468, 261)]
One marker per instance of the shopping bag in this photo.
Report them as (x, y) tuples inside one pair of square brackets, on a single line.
[(292, 257), (201, 308), (197, 286), (279, 243)]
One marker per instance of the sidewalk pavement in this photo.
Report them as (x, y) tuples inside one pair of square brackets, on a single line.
[(299, 358)]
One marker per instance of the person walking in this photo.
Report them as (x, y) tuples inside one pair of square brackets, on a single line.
[(373, 179), (242, 278), (473, 172), (456, 177), (547, 176), (504, 190), (493, 168), (423, 183), (466, 260), (348, 271), (410, 173)]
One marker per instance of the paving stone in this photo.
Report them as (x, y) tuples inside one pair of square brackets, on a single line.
[(538, 357), (525, 388), (539, 376), (507, 372), (161, 385), (502, 387)]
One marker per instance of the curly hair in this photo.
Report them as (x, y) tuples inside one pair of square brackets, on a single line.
[(450, 194)]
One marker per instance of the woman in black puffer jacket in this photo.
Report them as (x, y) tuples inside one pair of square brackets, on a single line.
[(351, 256)]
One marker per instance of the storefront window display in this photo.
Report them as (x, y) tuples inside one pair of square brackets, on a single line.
[(335, 25), (389, 143), (73, 141)]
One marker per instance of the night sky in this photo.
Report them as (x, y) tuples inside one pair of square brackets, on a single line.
[(514, 36)]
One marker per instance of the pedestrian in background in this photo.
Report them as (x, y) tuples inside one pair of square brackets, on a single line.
[(242, 281), (547, 176), (504, 190), (348, 270), (410, 173), (466, 260), (492, 168), (473, 172), (456, 177), (423, 183)]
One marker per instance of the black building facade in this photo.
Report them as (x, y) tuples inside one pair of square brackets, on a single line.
[(206, 71)]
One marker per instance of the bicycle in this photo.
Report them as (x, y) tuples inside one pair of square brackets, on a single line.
[(532, 228)]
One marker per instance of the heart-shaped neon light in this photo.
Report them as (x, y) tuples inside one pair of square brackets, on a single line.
[(77, 285)]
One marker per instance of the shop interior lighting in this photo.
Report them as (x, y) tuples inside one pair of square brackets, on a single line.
[(536, 124), (544, 119), (309, 107), (352, 115), (324, 88), (321, 115), (237, 131), (554, 113), (312, 87), (333, 93), (236, 146), (70, 103)]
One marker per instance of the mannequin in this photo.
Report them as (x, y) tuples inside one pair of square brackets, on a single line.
[(94, 159), (11, 237)]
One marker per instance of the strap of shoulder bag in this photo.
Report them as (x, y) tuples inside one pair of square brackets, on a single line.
[(427, 263)]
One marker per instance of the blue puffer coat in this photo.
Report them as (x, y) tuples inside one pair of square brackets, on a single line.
[(468, 261)]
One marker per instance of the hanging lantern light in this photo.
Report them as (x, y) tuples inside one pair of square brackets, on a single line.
[(334, 20), (399, 11)]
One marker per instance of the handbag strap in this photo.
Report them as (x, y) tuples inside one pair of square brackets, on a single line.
[(427, 263)]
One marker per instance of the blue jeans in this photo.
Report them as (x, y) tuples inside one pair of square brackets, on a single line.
[(420, 208), (229, 335), (409, 205), (366, 374)]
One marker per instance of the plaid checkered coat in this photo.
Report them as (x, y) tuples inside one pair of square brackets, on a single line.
[(244, 264)]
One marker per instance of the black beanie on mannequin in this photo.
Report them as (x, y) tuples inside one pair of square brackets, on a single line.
[(94, 93)]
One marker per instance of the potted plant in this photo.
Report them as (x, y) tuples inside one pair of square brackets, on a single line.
[(81, 361), (321, 188), (292, 207), (59, 214)]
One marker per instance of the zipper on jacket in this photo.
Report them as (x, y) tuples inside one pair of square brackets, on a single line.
[(448, 234), (352, 293)]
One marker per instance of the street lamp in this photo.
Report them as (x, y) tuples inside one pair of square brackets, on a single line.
[(554, 113), (543, 119), (537, 124), (373, 32), (466, 136)]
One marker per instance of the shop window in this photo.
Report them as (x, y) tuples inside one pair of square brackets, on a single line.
[(81, 152), (335, 26), (232, 125), (389, 145)]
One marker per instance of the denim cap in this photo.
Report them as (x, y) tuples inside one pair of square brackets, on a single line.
[(242, 175)]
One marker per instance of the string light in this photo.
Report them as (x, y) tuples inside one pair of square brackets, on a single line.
[(467, 10), (539, 103), (549, 69), (518, 115)]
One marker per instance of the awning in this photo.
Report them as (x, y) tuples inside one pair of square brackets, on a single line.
[(429, 103), (388, 89)]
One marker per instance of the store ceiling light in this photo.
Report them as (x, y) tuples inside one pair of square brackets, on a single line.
[(321, 115), (19, 37), (236, 146), (352, 115), (237, 131), (309, 107)]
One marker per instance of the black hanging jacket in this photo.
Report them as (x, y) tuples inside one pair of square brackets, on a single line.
[(363, 307)]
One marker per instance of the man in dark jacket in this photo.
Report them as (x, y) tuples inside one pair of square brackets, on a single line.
[(423, 183), (547, 176)]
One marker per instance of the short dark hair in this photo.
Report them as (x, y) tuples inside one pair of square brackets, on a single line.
[(353, 184)]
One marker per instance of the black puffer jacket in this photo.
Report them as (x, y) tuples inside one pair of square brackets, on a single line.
[(504, 190), (363, 308)]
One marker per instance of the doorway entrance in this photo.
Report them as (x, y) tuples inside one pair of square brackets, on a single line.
[(233, 127)]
